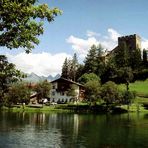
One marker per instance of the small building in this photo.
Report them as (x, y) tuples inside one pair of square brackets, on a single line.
[(61, 88)]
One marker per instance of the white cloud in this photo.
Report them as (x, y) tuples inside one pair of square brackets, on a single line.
[(91, 33), (113, 34), (144, 43), (81, 46), (42, 64)]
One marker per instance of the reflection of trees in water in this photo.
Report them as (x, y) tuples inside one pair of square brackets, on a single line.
[(73, 130)]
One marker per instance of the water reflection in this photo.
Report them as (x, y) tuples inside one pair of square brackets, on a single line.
[(73, 130)]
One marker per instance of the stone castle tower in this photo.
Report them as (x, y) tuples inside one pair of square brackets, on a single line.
[(132, 41)]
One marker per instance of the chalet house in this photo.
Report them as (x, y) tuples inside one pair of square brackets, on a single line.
[(60, 91)]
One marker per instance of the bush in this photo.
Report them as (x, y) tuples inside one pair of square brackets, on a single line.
[(110, 93), (128, 97)]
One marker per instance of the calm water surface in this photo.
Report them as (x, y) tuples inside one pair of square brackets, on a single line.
[(53, 130)]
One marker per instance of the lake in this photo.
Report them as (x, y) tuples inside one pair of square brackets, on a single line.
[(65, 130)]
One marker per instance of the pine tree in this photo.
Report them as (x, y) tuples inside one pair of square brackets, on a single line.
[(135, 58), (100, 60), (65, 71), (91, 60), (144, 56), (73, 67), (121, 57)]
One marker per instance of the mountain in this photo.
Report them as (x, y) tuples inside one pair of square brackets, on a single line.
[(35, 78)]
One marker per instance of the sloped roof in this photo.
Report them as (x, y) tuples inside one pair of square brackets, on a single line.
[(67, 80)]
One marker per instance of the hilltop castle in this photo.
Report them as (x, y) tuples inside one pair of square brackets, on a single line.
[(132, 42)]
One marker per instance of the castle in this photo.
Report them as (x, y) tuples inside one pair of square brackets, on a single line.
[(132, 42)]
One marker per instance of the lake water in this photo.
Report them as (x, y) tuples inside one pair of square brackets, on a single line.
[(61, 130)]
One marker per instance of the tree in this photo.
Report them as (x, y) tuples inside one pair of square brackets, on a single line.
[(88, 77), (69, 68), (72, 92), (18, 93), (80, 71), (121, 56), (43, 89), (100, 61), (145, 58), (65, 69), (110, 93), (125, 75), (73, 67), (92, 86), (22, 22), (90, 63), (135, 59), (92, 91), (109, 72), (8, 75), (128, 97)]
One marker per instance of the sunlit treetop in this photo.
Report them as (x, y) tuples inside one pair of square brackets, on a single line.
[(21, 22)]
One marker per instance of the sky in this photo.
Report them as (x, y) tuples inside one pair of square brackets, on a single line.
[(82, 24)]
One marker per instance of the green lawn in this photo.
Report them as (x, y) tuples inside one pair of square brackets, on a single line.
[(141, 87)]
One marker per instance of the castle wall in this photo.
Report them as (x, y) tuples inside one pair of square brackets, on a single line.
[(132, 41)]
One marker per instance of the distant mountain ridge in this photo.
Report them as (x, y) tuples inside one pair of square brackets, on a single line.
[(35, 78)]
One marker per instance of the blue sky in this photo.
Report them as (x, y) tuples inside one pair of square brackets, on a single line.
[(83, 23)]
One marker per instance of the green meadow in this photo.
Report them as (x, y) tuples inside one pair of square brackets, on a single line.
[(140, 87)]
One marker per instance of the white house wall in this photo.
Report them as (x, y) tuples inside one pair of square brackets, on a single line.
[(62, 96)]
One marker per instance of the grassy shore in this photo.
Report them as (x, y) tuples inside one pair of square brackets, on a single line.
[(72, 108), (34, 109)]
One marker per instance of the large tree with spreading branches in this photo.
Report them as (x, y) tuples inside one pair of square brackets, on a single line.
[(21, 22)]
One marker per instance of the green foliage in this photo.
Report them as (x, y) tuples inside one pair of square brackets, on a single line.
[(91, 60), (110, 72), (22, 22), (128, 97), (92, 90), (121, 56), (92, 86), (110, 93), (127, 57), (100, 60), (72, 91), (125, 75), (69, 68), (73, 67), (8, 75), (135, 59), (145, 56), (43, 89), (80, 71), (139, 86), (17, 93), (88, 77), (65, 69)]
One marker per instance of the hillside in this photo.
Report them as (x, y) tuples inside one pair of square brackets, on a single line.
[(141, 87)]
